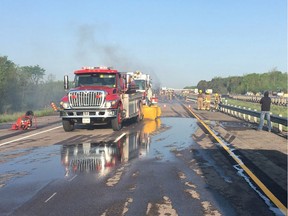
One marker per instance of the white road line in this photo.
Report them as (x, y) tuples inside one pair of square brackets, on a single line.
[(50, 197), (5, 143), (72, 178), (122, 135)]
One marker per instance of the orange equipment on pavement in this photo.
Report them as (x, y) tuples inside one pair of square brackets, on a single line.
[(25, 122), (54, 107)]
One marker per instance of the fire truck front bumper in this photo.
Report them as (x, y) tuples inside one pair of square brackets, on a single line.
[(76, 114)]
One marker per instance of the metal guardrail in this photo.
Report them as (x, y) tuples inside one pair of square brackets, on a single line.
[(253, 116), (274, 118), (247, 114)]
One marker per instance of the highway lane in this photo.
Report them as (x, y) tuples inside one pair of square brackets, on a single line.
[(151, 168)]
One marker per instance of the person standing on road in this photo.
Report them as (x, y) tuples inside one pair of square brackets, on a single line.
[(265, 111), (149, 95), (217, 101), (200, 100), (207, 101)]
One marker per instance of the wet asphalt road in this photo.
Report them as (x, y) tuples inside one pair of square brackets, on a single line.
[(152, 168)]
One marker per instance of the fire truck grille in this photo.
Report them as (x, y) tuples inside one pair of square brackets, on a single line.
[(86, 99), (88, 164)]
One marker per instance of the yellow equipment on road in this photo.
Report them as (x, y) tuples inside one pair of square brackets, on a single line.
[(151, 112)]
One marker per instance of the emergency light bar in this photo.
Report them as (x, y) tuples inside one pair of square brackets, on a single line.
[(95, 68)]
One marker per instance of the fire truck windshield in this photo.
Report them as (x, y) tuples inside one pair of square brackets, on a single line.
[(141, 84), (98, 79)]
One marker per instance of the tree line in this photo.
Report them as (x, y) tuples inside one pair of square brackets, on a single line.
[(24, 88), (273, 81)]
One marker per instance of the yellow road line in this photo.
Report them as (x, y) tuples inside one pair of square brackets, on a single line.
[(267, 192)]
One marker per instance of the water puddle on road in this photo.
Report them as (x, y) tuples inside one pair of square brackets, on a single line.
[(156, 139), (175, 137), (38, 163), (24, 172), (43, 164)]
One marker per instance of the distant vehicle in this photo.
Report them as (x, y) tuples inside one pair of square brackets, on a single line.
[(249, 93), (280, 94)]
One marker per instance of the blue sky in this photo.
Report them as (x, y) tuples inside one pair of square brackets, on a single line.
[(178, 42)]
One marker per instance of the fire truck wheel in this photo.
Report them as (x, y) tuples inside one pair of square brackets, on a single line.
[(67, 125), (117, 122)]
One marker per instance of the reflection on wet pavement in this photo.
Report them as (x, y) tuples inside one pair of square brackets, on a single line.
[(32, 164), (24, 172), (102, 157), (89, 157), (175, 137), (37, 163)]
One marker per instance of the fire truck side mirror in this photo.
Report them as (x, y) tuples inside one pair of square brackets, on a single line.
[(66, 82)]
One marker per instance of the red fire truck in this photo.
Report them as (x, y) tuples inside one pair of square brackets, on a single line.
[(101, 95)]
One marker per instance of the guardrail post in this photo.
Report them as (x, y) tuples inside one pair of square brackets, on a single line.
[(239, 113), (249, 116), (244, 115), (255, 118), (280, 126), (229, 111)]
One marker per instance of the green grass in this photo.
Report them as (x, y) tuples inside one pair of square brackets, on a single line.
[(13, 117), (276, 110)]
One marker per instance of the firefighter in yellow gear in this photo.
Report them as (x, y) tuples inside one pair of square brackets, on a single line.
[(217, 100), (200, 100), (207, 101)]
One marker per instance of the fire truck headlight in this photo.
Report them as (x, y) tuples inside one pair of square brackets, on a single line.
[(65, 105), (113, 103), (110, 103)]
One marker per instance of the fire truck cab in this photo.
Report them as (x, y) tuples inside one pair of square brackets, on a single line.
[(101, 95), (143, 81)]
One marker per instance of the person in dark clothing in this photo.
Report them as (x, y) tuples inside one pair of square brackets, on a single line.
[(265, 111)]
